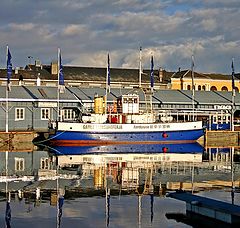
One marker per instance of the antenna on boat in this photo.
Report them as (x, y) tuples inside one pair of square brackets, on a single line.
[(193, 86), (140, 67)]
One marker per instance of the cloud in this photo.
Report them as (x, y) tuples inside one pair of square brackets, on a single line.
[(88, 29), (22, 27)]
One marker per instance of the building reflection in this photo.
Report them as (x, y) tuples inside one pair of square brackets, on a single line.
[(42, 175)]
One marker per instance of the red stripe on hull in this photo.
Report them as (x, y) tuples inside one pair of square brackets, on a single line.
[(100, 142)]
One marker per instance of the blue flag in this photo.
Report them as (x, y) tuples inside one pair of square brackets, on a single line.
[(108, 82), (152, 74), (9, 68), (8, 215), (233, 75), (60, 73), (108, 71)]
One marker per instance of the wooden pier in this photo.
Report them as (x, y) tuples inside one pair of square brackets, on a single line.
[(210, 209)]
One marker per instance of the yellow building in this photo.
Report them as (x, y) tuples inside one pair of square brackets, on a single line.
[(183, 80)]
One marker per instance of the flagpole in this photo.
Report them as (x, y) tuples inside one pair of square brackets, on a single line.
[(193, 88), (140, 67), (7, 94), (233, 96), (107, 81), (58, 95)]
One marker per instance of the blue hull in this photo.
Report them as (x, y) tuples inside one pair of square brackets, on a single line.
[(138, 148), (86, 137)]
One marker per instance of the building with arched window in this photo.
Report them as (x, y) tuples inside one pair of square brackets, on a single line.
[(183, 80)]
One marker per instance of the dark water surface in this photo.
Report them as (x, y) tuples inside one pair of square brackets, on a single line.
[(110, 189)]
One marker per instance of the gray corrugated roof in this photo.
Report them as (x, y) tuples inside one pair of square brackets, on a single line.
[(206, 97), (172, 96), (16, 92), (87, 94)]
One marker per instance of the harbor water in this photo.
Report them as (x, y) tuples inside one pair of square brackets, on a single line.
[(112, 186)]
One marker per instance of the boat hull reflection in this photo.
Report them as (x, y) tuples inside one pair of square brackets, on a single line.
[(129, 148)]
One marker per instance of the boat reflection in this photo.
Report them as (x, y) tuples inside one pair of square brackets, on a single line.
[(129, 148)]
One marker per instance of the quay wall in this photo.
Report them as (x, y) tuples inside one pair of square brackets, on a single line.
[(222, 139), (17, 141)]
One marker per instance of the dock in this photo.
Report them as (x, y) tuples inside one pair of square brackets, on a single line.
[(213, 210)]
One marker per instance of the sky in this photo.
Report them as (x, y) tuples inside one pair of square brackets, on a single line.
[(87, 30)]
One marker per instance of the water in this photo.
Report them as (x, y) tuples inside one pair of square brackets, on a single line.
[(106, 188)]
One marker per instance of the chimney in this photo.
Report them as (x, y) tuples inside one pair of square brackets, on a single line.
[(16, 70), (38, 80), (54, 68), (161, 74)]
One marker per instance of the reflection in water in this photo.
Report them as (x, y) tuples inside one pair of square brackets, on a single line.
[(61, 175)]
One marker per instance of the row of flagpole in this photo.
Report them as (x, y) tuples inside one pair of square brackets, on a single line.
[(61, 86)]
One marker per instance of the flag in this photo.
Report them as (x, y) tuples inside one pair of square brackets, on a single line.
[(60, 205), (60, 73), (233, 75), (108, 73), (8, 215), (9, 68), (152, 74)]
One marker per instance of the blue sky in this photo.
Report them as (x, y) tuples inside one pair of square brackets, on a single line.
[(86, 30)]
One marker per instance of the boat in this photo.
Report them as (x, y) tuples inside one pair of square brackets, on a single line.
[(123, 124)]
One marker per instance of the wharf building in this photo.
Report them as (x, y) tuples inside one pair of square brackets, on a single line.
[(33, 99)]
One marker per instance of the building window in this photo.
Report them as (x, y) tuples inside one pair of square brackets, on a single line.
[(19, 164), (199, 87), (45, 114), (45, 163), (188, 87), (213, 88), (19, 114), (224, 88), (68, 114), (204, 87)]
